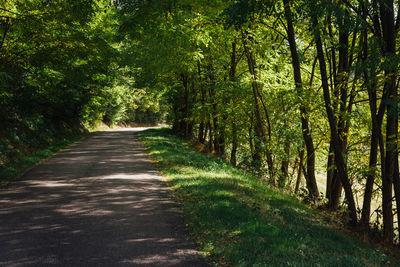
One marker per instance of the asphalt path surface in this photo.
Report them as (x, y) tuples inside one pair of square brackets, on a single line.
[(99, 202)]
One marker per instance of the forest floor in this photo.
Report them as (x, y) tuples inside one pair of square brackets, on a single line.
[(237, 220), (98, 202)]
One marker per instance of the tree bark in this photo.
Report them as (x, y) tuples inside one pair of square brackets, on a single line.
[(343, 103), (310, 175), (251, 143), (202, 131), (299, 172), (339, 160), (258, 127), (185, 122), (389, 36), (330, 171), (210, 136), (285, 166), (376, 133), (234, 145), (200, 136)]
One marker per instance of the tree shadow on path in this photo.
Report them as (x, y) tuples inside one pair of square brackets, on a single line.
[(97, 203)]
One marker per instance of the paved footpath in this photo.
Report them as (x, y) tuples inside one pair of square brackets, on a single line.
[(96, 203)]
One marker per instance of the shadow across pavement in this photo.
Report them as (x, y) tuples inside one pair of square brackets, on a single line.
[(97, 203)]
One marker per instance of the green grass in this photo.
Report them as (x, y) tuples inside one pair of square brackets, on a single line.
[(238, 220), (15, 169)]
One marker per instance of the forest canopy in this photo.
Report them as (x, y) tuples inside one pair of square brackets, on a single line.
[(62, 69), (302, 93)]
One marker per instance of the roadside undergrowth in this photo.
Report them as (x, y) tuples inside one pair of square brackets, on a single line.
[(237, 220), (18, 167)]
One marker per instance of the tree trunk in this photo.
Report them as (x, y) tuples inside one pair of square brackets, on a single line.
[(232, 77), (376, 134), (330, 171), (221, 142), (210, 136), (185, 122), (211, 95), (258, 127), (251, 143), (396, 185), (376, 139), (285, 166), (339, 160), (389, 49), (343, 103), (336, 191), (202, 131), (200, 136), (310, 176), (234, 145), (301, 159)]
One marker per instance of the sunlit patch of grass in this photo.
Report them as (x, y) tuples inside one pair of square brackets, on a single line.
[(238, 220), (15, 169)]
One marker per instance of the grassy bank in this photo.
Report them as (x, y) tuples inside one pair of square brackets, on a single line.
[(238, 221), (15, 169)]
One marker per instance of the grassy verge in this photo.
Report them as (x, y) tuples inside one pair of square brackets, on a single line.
[(239, 221), (15, 169)]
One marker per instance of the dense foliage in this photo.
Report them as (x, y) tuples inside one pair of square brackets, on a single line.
[(285, 89), (59, 64)]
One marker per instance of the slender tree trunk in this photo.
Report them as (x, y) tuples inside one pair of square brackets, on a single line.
[(270, 161), (376, 133), (216, 133), (299, 172), (232, 77), (200, 136), (202, 130), (344, 104), (251, 143), (376, 140), (233, 64), (389, 36), (330, 171), (396, 184), (192, 102), (285, 166), (369, 186), (310, 176), (234, 145), (210, 136), (185, 83), (258, 127), (211, 95), (339, 160)]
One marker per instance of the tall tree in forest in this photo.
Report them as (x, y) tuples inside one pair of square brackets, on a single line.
[(336, 140), (391, 170), (310, 158)]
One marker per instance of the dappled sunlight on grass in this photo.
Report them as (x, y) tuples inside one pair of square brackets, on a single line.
[(238, 220)]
